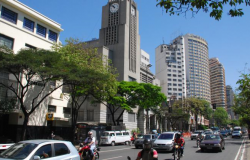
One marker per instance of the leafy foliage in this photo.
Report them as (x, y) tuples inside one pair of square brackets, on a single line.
[(220, 116), (242, 99), (183, 6)]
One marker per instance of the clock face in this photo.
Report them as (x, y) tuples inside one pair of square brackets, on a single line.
[(114, 7), (133, 10)]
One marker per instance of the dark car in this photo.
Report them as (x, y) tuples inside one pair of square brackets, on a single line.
[(224, 133), (139, 142), (208, 132), (213, 141)]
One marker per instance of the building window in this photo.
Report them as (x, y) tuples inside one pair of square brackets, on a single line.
[(66, 110), (28, 24), (90, 115), (6, 41), (41, 30), (130, 79), (80, 116), (51, 108), (30, 46), (52, 36), (131, 117), (9, 15)]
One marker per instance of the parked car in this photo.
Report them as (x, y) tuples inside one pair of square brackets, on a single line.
[(165, 141), (115, 137), (5, 143), (224, 133), (236, 134), (40, 149), (139, 142), (213, 141), (195, 134)]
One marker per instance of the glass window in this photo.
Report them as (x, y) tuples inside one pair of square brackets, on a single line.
[(52, 36), (66, 110), (9, 15), (44, 152), (51, 108), (41, 30), (28, 24), (118, 134), (131, 117), (6, 41), (61, 149), (90, 115), (30, 46)]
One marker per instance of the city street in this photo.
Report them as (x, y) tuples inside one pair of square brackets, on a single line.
[(231, 152)]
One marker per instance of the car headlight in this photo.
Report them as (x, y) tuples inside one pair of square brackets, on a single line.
[(217, 144)]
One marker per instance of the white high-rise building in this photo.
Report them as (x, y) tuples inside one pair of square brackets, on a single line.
[(170, 69)]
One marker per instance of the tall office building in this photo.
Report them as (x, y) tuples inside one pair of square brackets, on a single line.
[(197, 66), (230, 101), (218, 86), (170, 69)]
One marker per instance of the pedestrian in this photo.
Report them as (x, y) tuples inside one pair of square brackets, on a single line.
[(52, 135)]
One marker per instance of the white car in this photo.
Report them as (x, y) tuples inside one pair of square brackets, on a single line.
[(40, 149), (5, 144), (165, 141), (195, 134)]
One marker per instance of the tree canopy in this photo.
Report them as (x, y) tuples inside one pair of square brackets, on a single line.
[(242, 99), (215, 8), (220, 116)]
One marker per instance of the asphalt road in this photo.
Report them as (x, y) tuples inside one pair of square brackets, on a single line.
[(191, 152)]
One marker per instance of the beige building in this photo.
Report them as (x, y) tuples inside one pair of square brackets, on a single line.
[(218, 85)]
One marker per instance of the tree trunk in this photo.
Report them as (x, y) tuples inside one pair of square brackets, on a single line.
[(196, 123), (25, 124), (119, 118)]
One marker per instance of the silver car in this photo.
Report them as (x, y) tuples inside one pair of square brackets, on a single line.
[(165, 141), (40, 149)]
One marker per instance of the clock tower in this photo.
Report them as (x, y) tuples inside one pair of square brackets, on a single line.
[(120, 33)]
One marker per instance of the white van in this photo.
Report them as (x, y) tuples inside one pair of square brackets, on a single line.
[(115, 137)]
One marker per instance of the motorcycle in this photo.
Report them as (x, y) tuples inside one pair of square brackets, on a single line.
[(198, 142), (177, 152), (85, 153)]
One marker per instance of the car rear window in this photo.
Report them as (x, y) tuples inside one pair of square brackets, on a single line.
[(61, 149), (146, 137), (18, 151), (212, 137), (166, 136)]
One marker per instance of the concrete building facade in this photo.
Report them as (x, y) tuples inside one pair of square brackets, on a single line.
[(230, 102), (218, 85), (23, 27)]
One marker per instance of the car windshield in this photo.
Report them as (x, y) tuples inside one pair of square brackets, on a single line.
[(146, 137), (212, 137), (236, 131), (18, 151), (223, 131), (166, 136), (208, 133), (197, 132)]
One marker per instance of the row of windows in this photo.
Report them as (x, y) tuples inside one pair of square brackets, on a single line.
[(28, 24), (174, 84)]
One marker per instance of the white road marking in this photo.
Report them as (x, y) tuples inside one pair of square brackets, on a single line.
[(242, 153), (113, 158), (239, 150), (113, 150)]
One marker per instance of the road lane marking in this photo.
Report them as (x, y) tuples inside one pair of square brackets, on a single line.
[(242, 153), (239, 150), (112, 158), (113, 150)]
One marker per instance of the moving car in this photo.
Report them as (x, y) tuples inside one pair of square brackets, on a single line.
[(115, 137), (40, 149), (5, 144), (213, 141), (139, 142), (236, 134), (165, 141), (195, 134)]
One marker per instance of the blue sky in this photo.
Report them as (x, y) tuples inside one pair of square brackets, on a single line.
[(228, 39)]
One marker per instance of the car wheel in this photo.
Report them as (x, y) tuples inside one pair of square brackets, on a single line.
[(113, 143), (202, 149), (191, 138), (136, 147), (126, 143)]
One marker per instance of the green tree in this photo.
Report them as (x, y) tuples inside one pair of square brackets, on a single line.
[(207, 111), (87, 74), (32, 70), (242, 99), (220, 116), (177, 7)]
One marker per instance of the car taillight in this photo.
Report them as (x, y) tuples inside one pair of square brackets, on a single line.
[(4, 146)]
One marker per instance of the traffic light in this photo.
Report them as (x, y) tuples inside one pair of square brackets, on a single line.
[(214, 106)]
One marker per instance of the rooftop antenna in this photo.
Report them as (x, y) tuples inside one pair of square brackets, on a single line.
[(163, 40)]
